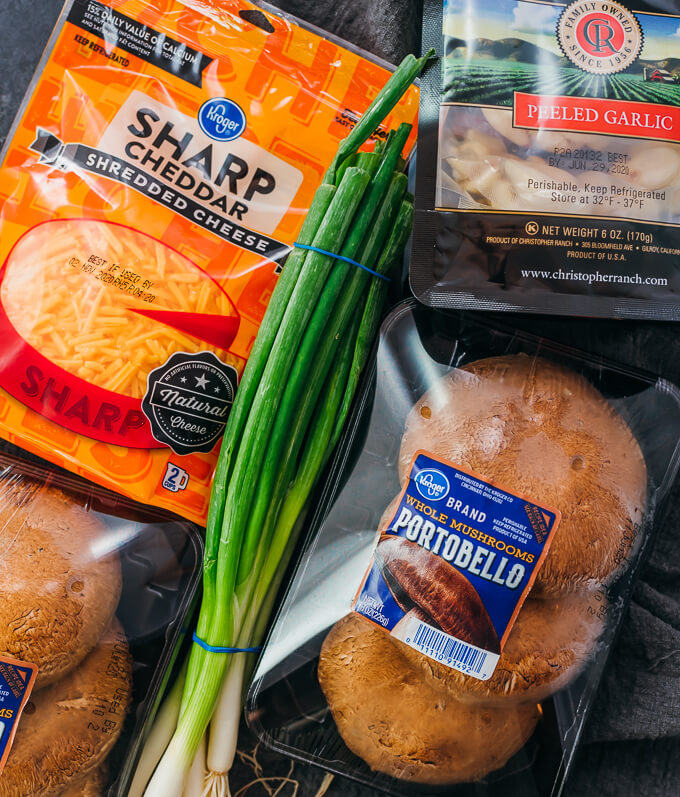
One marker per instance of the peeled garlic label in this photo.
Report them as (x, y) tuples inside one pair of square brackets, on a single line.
[(560, 109)]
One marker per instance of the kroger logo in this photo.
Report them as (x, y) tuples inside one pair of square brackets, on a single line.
[(221, 119), (432, 484)]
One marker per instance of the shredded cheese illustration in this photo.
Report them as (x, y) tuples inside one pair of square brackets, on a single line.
[(71, 290)]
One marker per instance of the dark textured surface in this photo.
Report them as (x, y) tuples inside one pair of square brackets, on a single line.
[(389, 28), (633, 738)]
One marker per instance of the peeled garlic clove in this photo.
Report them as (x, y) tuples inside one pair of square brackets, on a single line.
[(550, 172), (472, 174), (447, 181), (479, 145), (449, 143), (654, 167), (502, 195), (527, 179), (589, 180), (548, 140), (589, 141), (501, 120)]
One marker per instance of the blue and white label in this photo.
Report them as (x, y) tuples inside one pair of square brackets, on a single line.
[(175, 478), (432, 484), (453, 530), (17, 679), (222, 119)]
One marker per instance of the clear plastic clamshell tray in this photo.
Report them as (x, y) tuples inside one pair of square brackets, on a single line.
[(286, 706), (96, 592)]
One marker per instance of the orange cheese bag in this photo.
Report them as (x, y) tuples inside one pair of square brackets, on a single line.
[(155, 179)]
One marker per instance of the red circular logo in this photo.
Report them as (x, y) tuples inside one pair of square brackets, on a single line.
[(599, 36)]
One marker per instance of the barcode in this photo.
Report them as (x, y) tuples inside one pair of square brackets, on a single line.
[(439, 645)]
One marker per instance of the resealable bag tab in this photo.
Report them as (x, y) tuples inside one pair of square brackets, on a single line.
[(549, 169), (480, 463), (154, 182)]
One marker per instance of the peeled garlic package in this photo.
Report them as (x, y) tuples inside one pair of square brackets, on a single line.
[(549, 158)]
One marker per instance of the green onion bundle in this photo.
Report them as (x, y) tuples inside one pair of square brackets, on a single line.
[(289, 411)]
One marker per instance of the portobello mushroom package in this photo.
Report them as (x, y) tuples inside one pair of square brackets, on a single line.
[(156, 177), (469, 563), (549, 168), (95, 591)]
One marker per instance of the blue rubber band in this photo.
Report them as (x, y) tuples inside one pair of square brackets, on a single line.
[(340, 257), (215, 649)]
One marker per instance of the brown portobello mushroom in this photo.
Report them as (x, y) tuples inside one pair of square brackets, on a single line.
[(403, 723), (550, 643), (69, 727), (90, 786), (441, 591), (57, 592), (538, 429)]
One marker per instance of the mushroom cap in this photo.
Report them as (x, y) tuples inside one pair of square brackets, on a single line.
[(91, 786), (550, 643), (403, 723), (58, 593), (68, 728), (542, 431)]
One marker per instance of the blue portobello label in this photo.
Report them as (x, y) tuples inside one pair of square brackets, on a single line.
[(188, 400), (16, 682), (454, 564)]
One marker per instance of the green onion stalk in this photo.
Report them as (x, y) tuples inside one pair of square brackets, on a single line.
[(288, 414)]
